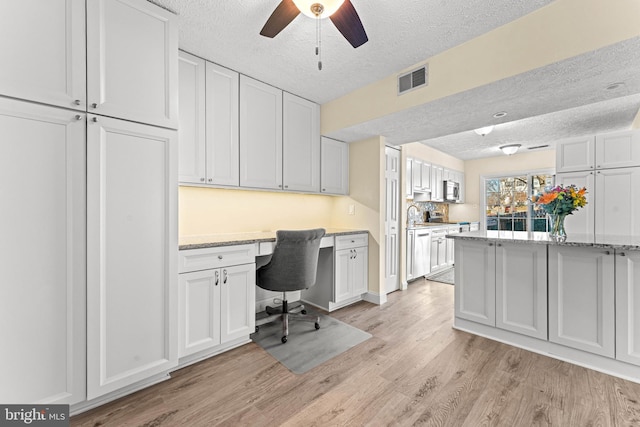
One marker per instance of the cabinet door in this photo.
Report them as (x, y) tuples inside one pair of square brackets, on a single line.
[(417, 175), (581, 299), (199, 311), (132, 61), (618, 150), (409, 253), (575, 154), (460, 180), (223, 140), (43, 246), (450, 245), (260, 135), (475, 278), (426, 176), (617, 202), (300, 144), (436, 183), (334, 165), (43, 51), (359, 269), (238, 301), (132, 255), (191, 132), (408, 178), (342, 283), (582, 221), (433, 258), (521, 289), (628, 306)]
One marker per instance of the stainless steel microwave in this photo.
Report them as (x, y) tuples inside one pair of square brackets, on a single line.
[(451, 191)]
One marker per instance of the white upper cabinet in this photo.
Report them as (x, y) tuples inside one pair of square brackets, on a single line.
[(334, 165), (260, 135), (43, 252), (43, 51), (301, 144), (191, 132), (618, 150), (582, 221), (575, 154), (223, 150), (132, 61), (408, 178), (613, 150)]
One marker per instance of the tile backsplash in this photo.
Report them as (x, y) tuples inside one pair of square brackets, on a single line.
[(417, 215)]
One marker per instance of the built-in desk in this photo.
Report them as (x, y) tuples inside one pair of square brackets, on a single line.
[(218, 296)]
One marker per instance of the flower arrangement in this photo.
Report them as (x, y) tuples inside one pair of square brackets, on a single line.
[(561, 200)]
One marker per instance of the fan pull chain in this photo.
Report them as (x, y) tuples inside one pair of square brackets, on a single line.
[(319, 41)]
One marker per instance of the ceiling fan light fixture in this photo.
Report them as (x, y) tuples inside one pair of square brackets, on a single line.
[(328, 7), (510, 149), (484, 130)]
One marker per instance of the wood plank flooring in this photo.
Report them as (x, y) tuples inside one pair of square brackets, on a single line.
[(415, 370)]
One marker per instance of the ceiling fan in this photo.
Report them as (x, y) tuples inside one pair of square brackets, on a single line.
[(341, 12)]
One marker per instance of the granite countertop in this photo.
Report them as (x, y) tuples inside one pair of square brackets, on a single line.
[(227, 239), (538, 237)]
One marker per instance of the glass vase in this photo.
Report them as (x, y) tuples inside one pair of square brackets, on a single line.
[(557, 232)]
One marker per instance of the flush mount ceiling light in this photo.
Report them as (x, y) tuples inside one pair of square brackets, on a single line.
[(326, 8), (342, 14), (510, 149), (484, 131)]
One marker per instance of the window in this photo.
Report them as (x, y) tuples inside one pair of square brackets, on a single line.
[(507, 205)]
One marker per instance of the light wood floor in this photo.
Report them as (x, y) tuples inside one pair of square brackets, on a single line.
[(416, 370)]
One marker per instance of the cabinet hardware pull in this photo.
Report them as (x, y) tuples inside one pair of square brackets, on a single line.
[(355, 254), (286, 186), (324, 189), (217, 278), (622, 254), (499, 245), (77, 102), (94, 105), (607, 252), (94, 120), (219, 256), (78, 117), (201, 179), (490, 244), (224, 276), (210, 179)]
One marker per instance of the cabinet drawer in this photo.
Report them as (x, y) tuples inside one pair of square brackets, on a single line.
[(223, 256), (352, 241)]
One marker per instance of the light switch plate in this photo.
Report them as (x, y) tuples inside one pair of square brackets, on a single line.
[(352, 209)]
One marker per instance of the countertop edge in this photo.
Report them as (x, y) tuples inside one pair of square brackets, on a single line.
[(542, 241), (250, 240)]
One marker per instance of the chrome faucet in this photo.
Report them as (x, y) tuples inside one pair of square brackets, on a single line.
[(411, 221)]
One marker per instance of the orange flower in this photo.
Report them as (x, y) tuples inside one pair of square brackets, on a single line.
[(547, 198)]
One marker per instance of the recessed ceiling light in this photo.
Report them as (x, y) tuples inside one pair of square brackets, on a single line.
[(614, 85), (500, 114)]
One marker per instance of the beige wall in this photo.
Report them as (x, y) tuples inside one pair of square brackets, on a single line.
[(560, 30), (366, 193), (204, 211), (636, 121), (474, 169)]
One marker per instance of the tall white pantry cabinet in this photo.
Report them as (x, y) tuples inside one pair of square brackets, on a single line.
[(89, 190)]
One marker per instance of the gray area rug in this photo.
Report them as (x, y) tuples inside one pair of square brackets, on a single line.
[(446, 276), (307, 347)]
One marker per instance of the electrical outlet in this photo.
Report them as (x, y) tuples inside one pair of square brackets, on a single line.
[(352, 209)]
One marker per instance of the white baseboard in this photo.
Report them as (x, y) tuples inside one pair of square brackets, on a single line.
[(374, 298)]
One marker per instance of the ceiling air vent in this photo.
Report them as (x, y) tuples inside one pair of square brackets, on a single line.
[(413, 79)]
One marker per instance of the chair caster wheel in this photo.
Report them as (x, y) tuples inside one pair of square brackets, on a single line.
[(303, 312), (317, 325), (283, 339)]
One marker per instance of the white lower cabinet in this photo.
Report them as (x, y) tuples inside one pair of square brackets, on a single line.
[(131, 253), (438, 253), (502, 285), (411, 236), (351, 267), (42, 254), (628, 306), (581, 299), (451, 244), (217, 303)]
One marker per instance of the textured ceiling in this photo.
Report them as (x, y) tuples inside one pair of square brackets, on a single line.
[(401, 34)]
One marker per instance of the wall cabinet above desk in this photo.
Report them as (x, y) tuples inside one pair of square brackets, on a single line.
[(240, 132)]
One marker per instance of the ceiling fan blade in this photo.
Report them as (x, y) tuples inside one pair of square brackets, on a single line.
[(348, 22), (280, 18)]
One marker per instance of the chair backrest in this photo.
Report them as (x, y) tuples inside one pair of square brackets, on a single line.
[(294, 262)]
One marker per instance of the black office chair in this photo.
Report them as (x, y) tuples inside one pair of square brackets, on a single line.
[(292, 267)]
